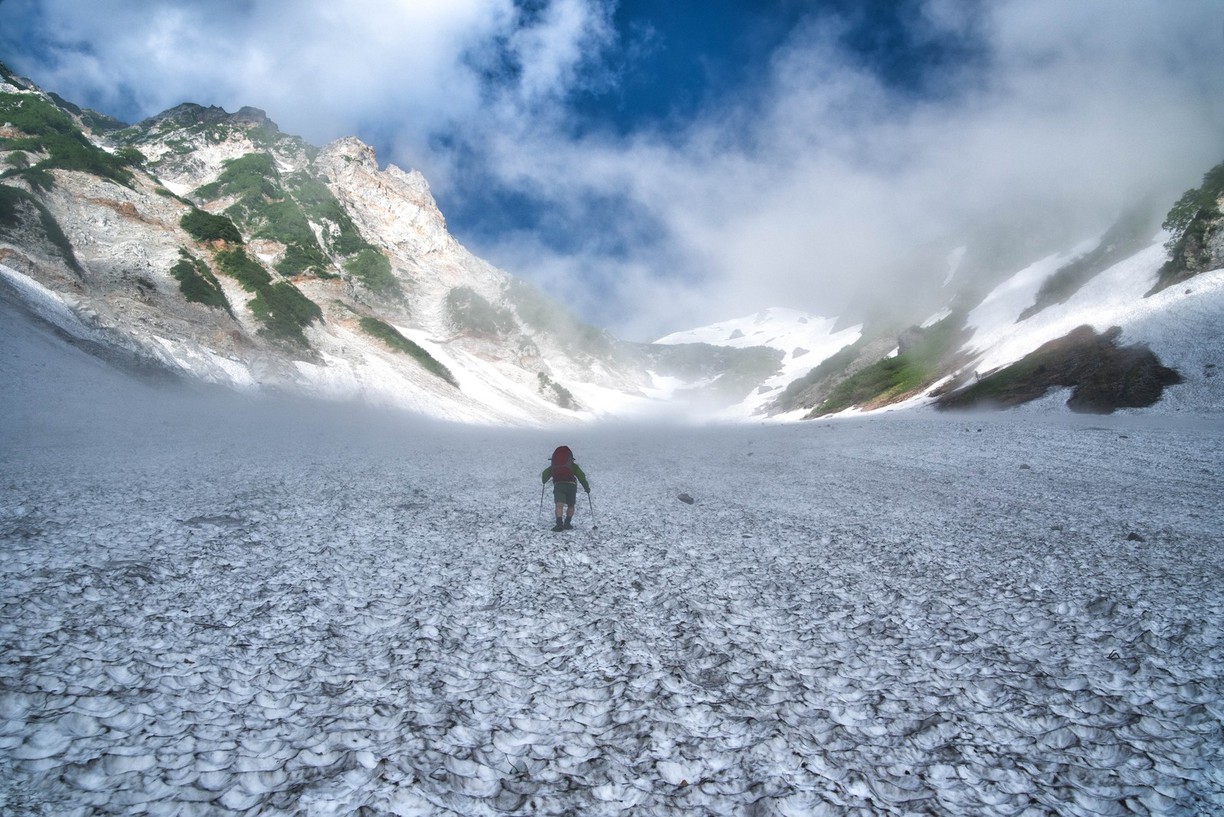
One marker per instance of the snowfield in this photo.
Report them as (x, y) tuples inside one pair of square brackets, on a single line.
[(217, 606)]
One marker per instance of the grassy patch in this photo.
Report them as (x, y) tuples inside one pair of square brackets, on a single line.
[(284, 221), (298, 259), (197, 282), (282, 210), (918, 364), (279, 305), (204, 226), (249, 178), (389, 335), (246, 270), (878, 382), (12, 201), (831, 366), (131, 157), (285, 312), (47, 129), (471, 313), (373, 269), (320, 206)]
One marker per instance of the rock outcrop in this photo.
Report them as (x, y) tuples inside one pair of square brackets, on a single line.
[(1103, 376)]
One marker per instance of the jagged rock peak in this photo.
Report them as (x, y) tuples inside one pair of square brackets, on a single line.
[(353, 150), (190, 113), (11, 82), (350, 153)]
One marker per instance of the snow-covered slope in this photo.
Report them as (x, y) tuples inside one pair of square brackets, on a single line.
[(804, 339), (214, 606), (1183, 325)]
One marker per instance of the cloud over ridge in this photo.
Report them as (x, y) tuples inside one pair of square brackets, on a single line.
[(816, 180)]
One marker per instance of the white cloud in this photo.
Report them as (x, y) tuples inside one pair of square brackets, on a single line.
[(821, 181), (320, 68), (829, 182), (552, 51)]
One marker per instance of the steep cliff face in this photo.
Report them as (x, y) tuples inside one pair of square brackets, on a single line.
[(234, 253), (1196, 224)]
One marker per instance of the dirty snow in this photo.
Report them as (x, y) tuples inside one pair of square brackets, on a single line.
[(217, 606)]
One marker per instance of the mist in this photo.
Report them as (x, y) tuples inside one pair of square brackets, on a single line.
[(819, 183), (828, 184)]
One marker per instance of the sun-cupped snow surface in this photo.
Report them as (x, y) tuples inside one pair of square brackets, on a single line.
[(214, 607)]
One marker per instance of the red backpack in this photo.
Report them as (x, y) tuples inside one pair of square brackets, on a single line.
[(562, 459)]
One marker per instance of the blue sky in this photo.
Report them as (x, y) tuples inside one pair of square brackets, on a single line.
[(658, 165)]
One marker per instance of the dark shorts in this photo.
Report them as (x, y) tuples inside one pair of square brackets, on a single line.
[(565, 493)]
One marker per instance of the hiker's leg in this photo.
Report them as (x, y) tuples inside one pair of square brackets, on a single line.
[(559, 497)]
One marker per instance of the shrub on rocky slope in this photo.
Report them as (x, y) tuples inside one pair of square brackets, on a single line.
[(1103, 376)]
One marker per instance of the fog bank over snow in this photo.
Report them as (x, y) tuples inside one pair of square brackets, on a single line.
[(804, 339)]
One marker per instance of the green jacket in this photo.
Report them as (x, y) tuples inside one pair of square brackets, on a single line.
[(586, 486)]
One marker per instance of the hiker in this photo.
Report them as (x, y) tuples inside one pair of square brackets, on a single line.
[(566, 475)]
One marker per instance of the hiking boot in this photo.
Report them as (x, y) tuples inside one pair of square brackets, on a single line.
[(569, 525), (558, 527)]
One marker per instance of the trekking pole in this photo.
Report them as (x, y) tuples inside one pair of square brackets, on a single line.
[(542, 487), (594, 525)]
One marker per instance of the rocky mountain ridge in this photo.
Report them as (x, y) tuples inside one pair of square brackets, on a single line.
[(215, 246)]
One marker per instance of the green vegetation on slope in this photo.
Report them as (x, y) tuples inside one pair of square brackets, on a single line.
[(204, 226), (287, 208), (280, 306), (389, 335), (250, 273), (1193, 222), (13, 201), (321, 207), (918, 364), (267, 210), (48, 130), (249, 178), (285, 311), (197, 282), (371, 267), (833, 365)]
